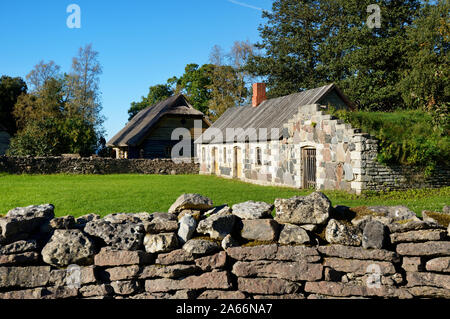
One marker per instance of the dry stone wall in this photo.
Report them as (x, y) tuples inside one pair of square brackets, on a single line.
[(93, 165), (308, 249)]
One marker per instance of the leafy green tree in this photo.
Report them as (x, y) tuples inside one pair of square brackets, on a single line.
[(10, 90), (310, 43), (157, 93), (194, 84), (425, 81)]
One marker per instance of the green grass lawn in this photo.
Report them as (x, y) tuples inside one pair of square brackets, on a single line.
[(104, 194)]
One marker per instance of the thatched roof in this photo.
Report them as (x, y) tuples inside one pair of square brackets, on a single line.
[(272, 113), (138, 127)]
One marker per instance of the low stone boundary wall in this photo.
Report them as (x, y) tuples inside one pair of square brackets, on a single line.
[(308, 250), (93, 165)]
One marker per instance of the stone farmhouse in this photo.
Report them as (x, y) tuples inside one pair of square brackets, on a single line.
[(4, 140), (293, 141), (149, 133)]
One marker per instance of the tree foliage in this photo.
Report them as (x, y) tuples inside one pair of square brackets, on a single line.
[(10, 90), (156, 93), (62, 112), (308, 43)]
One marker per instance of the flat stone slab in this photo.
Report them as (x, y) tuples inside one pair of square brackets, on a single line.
[(358, 267), (112, 257), (294, 271), (429, 292), (431, 248), (209, 263), (337, 289), (192, 202), (418, 236), (274, 252), (441, 264), (267, 286), (24, 277), (209, 280), (428, 279), (28, 258), (172, 271), (221, 294), (201, 247), (358, 253), (174, 257)]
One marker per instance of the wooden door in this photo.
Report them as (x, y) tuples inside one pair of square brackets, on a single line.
[(214, 161), (309, 167), (237, 163)]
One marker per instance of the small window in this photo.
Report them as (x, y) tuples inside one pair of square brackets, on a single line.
[(225, 155), (203, 155), (258, 156)]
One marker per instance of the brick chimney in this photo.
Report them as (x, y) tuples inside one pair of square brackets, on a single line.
[(259, 94)]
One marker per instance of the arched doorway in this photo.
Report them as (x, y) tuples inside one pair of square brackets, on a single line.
[(309, 167), (237, 162), (215, 161)]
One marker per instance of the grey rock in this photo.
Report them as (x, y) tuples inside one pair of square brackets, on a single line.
[(186, 229), (24, 277), (228, 242), (160, 243), (260, 229), (340, 233), (19, 247), (24, 220), (217, 226), (446, 209), (310, 228), (292, 235), (83, 220), (397, 213), (120, 231), (375, 235), (441, 219), (192, 202), (164, 216), (201, 247), (65, 222), (312, 209), (252, 210), (159, 225), (224, 209), (68, 247)]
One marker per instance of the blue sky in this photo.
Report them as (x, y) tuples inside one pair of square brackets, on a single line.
[(141, 42)]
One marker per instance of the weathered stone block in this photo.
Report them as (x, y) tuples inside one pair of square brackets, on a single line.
[(210, 280), (312, 209), (294, 271), (267, 286), (128, 287), (209, 263), (418, 236), (201, 247), (24, 277), (28, 258), (120, 273), (171, 271), (174, 257), (293, 234), (191, 201), (112, 257), (160, 243), (358, 267), (221, 294), (260, 229), (252, 210), (427, 279), (413, 264), (431, 248), (441, 264), (349, 252)]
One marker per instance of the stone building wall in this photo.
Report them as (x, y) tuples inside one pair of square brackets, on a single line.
[(199, 251), (93, 165), (345, 158)]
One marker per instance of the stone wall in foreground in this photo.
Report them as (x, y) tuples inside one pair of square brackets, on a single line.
[(308, 250), (93, 165)]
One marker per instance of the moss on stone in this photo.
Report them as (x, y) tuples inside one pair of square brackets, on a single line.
[(442, 219), (258, 243), (207, 238), (362, 211)]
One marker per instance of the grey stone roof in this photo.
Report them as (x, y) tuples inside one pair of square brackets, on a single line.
[(272, 113)]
